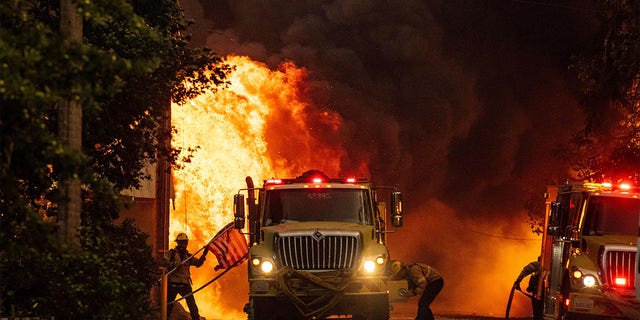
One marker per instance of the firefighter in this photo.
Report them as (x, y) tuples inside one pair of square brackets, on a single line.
[(180, 279), (534, 269), (423, 280)]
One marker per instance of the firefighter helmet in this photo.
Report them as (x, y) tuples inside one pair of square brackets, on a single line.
[(182, 237), (396, 267)]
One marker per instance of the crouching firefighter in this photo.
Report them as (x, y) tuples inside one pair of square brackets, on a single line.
[(423, 280), (180, 261)]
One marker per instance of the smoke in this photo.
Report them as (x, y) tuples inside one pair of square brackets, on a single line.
[(459, 103)]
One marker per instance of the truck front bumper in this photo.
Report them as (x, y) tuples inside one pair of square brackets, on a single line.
[(604, 305), (271, 287)]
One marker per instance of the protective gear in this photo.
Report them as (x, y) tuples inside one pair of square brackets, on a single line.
[(182, 237), (180, 277), (396, 267)]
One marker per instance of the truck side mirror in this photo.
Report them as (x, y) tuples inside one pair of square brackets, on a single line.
[(396, 209), (554, 219), (238, 211)]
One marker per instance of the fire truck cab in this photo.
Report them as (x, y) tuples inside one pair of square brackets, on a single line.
[(589, 252), (318, 247)]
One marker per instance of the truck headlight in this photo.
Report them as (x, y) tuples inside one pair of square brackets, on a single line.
[(373, 265), (265, 266), (369, 266), (589, 281), (586, 279)]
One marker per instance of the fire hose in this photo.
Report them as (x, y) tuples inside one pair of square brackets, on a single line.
[(333, 292), (513, 289)]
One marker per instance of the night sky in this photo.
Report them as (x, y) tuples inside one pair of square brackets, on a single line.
[(460, 103)]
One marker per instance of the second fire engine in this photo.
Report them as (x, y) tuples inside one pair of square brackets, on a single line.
[(589, 252)]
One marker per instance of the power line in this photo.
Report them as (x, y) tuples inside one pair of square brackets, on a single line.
[(498, 236), (553, 4)]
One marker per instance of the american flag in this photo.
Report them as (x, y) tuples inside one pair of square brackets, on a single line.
[(229, 246)]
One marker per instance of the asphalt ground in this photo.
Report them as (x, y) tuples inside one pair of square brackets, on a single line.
[(400, 311), (407, 311)]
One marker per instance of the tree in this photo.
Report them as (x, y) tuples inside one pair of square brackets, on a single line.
[(609, 71), (609, 146), (134, 59)]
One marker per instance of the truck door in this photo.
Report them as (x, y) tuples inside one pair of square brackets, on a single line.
[(562, 232)]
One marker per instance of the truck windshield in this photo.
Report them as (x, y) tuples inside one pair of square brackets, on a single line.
[(294, 205), (611, 215)]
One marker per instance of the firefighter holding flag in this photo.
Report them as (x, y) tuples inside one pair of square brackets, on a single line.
[(228, 245)]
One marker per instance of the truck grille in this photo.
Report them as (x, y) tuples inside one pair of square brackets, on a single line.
[(320, 250), (620, 265)]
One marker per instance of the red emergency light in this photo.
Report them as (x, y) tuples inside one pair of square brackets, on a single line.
[(274, 181), (622, 186), (317, 180), (351, 180), (620, 281)]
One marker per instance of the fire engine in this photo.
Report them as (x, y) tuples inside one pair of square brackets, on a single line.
[(589, 252), (318, 247)]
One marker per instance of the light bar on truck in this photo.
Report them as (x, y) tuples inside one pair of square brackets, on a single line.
[(625, 186), (609, 186), (315, 179)]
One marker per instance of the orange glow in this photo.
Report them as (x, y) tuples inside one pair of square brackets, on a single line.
[(258, 127)]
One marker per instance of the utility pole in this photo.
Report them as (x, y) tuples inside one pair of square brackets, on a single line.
[(70, 132), (164, 186)]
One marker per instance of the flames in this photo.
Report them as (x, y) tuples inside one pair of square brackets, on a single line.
[(265, 125), (261, 126)]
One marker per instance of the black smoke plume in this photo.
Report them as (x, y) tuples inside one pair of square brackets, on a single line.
[(460, 103)]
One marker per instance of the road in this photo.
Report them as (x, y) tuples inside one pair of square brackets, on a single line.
[(401, 311), (407, 311)]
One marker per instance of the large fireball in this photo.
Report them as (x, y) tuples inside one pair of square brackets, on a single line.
[(228, 130)]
